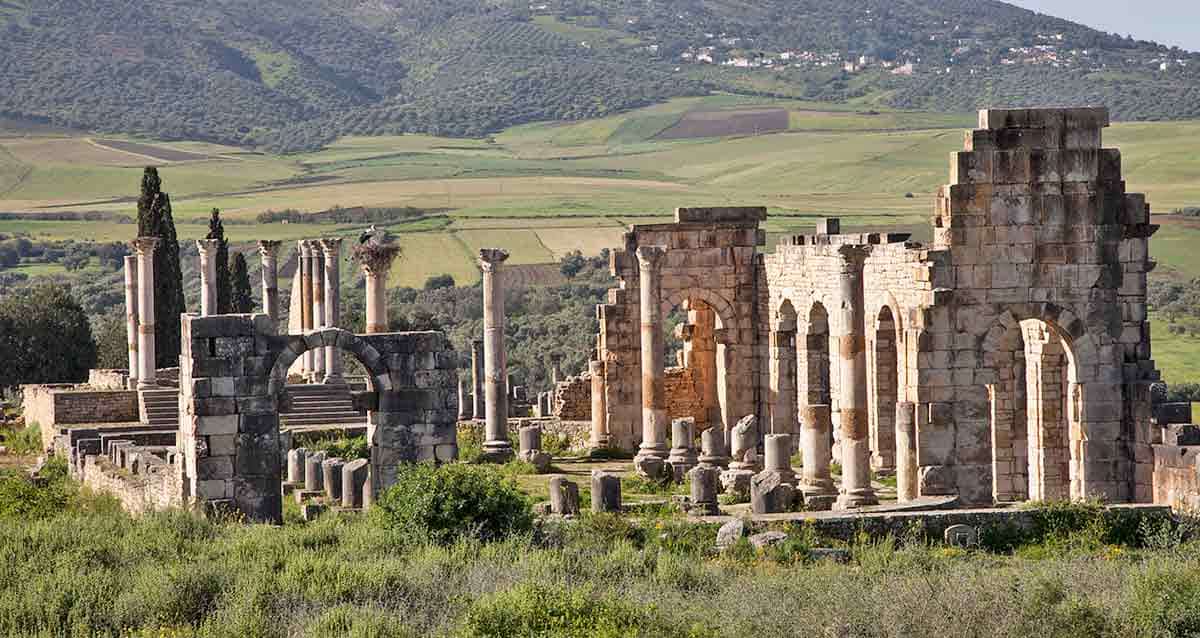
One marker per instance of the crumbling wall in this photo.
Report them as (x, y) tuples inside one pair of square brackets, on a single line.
[(1177, 477), (153, 487), (53, 406), (108, 379), (683, 398), (573, 398)]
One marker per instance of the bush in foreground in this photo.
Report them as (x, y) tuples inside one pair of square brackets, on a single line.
[(441, 504)]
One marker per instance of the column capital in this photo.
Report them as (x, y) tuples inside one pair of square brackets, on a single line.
[(854, 254), (376, 259), (477, 344), (269, 248), (305, 247), (331, 244), (650, 257), (145, 245), (491, 258), (207, 247)]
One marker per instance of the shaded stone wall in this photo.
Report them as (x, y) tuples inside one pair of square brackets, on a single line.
[(152, 487), (1177, 477), (52, 406), (231, 387)]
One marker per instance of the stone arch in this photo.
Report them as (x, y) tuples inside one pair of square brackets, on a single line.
[(884, 386), (720, 306), (1036, 360), (816, 360), (784, 377), (378, 380)]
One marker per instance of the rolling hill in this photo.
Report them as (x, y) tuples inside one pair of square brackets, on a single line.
[(293, 75)]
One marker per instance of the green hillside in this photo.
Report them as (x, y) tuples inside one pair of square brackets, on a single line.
[(293, 76)]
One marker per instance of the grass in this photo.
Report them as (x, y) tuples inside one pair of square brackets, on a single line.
[(92, 570)]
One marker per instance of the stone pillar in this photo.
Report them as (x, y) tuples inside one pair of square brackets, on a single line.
[(852, 366), (906, 451), (306, 300), (712, 448), (496, 444), (318, 307), (268, 251), (144, 246), (208, 275), (555, 370), (333, 306), (606, 492), (376, 261), (131, 318), (704, 491), (295, 465), (815, 445), (683, 447), (477, 403), (464, 408), (783, 375), (564, 496), (314, 475), (356, 485), (600, 438), (331, 478), (778, 453), (654, 402)]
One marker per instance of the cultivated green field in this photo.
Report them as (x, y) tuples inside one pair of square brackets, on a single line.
[(543, 190)]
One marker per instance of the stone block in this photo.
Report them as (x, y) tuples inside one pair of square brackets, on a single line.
[(211, 468), (606, 492), (314, 477), (729, 534), (961, 536), (331, 470), (736, 483), (259, 499), (258, 455), (705, 484), (564, 496), (767, 539), (355, 483), (769, 494)]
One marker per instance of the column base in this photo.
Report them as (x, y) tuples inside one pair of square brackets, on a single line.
[(650, 460), (819, 502), (497, 452), (856, 499), (147, 385)]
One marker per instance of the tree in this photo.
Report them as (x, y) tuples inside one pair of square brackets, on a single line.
[(155, 220), (112, 342), (216, 230), (572, 263), (242, 297), (45, 337), (437, 282)]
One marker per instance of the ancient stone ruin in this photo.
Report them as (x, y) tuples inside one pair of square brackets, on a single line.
[(1009, 360)]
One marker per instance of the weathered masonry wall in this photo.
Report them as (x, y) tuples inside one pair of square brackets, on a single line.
[(51, 406), (231, 384), (572, 399), (710, 262)]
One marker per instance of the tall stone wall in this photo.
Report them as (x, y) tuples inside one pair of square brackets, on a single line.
[(572, 399)]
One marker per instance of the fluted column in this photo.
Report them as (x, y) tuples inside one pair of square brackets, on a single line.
[(268, 251), (376, 261), (145, 259), (318, 312), (496, 444), (654, 401), (852, 365), (332, 247), (208, 275), (131, 317), (477, 403), (600, 438), (306, 318)]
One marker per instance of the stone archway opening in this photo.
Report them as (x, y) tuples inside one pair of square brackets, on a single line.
[(696, 365), (1035, 413), (884, 391)]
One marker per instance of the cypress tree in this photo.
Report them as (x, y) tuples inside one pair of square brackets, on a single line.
[(216, 230), (243, 294), (155, 220)]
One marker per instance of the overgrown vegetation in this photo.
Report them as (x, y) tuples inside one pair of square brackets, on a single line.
[(45, 337), (77, 566)]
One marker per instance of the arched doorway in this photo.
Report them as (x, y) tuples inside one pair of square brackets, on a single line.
[(1034, 412), (884, 391), (705, 360)]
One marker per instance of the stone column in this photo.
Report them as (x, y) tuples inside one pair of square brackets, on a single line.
[(906, 451), (333, 306), (463, 409), (208, 275), (496, 444), (815, 445), (852, 366), (654, 402), (145, 278), (555, 370), (318, 307), (268, 251), (306, 300), (783, 375), (131, 317), (600, 438), (477, 404), (376, 261)]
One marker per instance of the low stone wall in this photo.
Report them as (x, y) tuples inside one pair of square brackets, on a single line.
[(1176, 477), (107, 379), (683, 400), (573, 399), (52, 406), (155, 487)]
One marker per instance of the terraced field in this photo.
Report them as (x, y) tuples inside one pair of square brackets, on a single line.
[(544, 190)]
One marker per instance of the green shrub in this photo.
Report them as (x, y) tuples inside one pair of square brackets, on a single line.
[(357, 622), (24, 441), (343, 447), (441, 504), (1166, 601), (579, 612)]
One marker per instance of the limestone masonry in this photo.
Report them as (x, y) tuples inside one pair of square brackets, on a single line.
[(1010, 360)]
